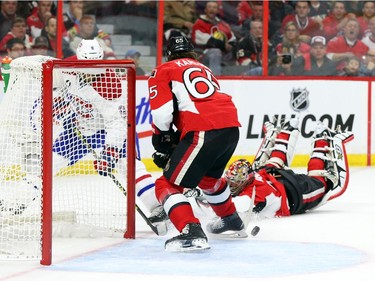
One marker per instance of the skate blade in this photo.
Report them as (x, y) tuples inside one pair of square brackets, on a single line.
[(230, 234), (187, 246)]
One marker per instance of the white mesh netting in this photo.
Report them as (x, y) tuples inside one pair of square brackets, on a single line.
[(89, 112)]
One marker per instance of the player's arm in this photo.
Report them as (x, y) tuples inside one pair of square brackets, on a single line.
[(164, 137)]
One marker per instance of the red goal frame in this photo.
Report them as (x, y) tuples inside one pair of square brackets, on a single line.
[(47, 140)]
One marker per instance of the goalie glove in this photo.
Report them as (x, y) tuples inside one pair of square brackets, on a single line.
[(107, 160)]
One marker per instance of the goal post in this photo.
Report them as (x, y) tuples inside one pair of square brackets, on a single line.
[(48, 183)]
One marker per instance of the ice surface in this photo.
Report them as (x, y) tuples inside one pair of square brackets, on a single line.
[(332, 242)]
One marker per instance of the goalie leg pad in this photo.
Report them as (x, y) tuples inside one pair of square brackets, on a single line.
[(283, 151), (268, 143), (340, 163), (336, 171)]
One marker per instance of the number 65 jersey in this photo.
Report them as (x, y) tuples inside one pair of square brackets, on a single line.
[(185, 93)]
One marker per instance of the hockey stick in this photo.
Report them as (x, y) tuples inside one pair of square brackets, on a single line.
[(159, 229), (253, 215)]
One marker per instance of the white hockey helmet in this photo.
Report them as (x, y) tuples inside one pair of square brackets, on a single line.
[(89, 50)]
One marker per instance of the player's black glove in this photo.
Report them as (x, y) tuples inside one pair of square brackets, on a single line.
[(160, 159), (164, 141)]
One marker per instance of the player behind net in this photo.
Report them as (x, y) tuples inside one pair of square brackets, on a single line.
[(95, 117), (269, 188)]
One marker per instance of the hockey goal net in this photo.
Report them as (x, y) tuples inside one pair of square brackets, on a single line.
[(56, 118)]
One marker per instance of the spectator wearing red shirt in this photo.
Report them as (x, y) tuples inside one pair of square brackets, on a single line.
[(244, 10), (291, 43), (38, 18), (214, 38), (307, 27), (17, 30), (347, 45), (292, 47), (369, 40), (368, 10), (278, 11), (334, 23)]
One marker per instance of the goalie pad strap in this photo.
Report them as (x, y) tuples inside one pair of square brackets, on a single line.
[(280, 147), (322, 149), (321, 156), (276, 162), (281, 141), (287, 146), (332, 177)]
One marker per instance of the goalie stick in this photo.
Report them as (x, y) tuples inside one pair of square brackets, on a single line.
[(159, 229)]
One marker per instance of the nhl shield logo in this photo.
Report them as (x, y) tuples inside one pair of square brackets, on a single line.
[(299, 99)]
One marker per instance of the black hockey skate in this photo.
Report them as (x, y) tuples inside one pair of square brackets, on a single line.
[(158, 215), (192, 238), (230, 227)]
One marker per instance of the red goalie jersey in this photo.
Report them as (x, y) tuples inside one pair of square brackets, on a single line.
[(185, 93)]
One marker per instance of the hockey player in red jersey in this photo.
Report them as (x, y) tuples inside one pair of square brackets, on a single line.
[(270, 188), (186, 97)]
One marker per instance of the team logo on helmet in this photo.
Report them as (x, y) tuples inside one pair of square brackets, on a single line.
[(299, 99)]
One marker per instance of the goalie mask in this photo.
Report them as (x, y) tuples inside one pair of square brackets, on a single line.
[(89, 50), (239, 175), (178, 44)]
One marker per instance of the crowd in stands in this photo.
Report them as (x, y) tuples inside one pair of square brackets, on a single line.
[(30, 27), (305, 38)]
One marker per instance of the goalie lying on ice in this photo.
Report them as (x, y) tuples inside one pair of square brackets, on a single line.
[(269, 188)]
